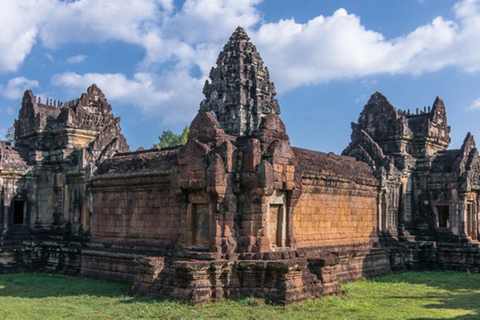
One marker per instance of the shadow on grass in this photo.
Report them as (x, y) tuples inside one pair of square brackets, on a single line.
[(42, 285), (242, 300), (453, 291), (457, 290)]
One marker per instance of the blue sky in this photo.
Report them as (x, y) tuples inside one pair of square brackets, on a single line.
[(151, 59)]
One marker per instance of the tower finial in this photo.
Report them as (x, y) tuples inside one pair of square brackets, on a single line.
[(239, 34)]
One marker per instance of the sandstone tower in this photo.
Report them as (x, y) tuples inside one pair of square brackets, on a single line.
[(240, 92)]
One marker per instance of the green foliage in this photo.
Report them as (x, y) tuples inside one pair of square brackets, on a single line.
[(10, 135), (170, 139), (423, 295)]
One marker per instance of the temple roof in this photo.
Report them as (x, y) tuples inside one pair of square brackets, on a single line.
[(13, 158), (445, 161), (334, 166), (140, 161)]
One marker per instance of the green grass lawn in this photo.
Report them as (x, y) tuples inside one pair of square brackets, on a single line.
[(424, 295)]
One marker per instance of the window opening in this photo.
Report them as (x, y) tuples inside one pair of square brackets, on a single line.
[(19, 212), (443, 216)]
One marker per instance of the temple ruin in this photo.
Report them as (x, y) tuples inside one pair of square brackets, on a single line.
[(237, 211)]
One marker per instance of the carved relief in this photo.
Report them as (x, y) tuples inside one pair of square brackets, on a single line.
[(93, 120)]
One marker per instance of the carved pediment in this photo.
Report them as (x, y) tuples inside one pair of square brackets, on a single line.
[(363, 148), (473, 170)]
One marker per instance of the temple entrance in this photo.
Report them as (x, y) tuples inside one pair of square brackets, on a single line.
[(18, 212), (443, 216), (198, 232), (471, 223), (275, 226), (277, 220), (202, 225), (383, 214)]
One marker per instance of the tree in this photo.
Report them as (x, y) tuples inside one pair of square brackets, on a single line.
[(170, 139), (10, 135)]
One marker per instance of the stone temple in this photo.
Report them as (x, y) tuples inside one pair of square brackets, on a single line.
[(237, 211)]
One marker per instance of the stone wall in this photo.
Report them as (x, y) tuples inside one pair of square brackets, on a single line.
[(137, 208), (335, 213)]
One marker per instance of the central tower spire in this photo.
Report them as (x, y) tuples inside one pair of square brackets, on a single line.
[(239, 92)]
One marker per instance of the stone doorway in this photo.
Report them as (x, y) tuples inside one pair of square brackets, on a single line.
[(383, 213), (275, 225), (471, 223), (443, 216), (18, 212), (198, 232), (277, 220)]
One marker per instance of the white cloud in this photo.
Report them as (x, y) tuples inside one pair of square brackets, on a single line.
[(177, 39), (368, 83), (475, 105), (77, 59), (19, 25), (16, 86), (202, 21), (196, 33), (49, 57), (339, 46), (87, 21), (174, 98), (58, 22), (324, 48), (362, 99)]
